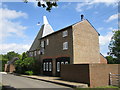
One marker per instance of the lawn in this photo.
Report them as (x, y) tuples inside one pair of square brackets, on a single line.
[(100, 88)]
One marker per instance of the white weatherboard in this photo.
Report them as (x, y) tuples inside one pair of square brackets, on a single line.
[(47, 28)]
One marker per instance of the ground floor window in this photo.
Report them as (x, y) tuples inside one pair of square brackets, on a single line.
[(60, 61), (58, 66), (50, 66), (47, 65)]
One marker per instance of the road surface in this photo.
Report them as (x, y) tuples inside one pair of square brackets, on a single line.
[(18, 82)]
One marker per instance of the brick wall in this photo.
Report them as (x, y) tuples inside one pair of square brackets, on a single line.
[(85, 43), (95, 75)]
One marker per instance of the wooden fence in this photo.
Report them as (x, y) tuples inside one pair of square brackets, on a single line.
[(114, 79)]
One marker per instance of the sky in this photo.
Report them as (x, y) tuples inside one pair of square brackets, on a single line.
[(18, 21)]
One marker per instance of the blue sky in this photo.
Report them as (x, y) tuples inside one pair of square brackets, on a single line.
[(19, 21)]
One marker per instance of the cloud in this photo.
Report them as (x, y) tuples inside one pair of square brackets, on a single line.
[(12, 14), (90, 3), (11, 28), (19, 48), (113, 17), (103, 40), (8, 28), (107, 2), (66, 5)]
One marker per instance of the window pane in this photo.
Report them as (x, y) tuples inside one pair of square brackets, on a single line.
[(66, 62), (65, 33), (65, 45), (50, 66), (47, 66), (62, 62), (44, 66), (47, 41), (42, 43), (58, 66)]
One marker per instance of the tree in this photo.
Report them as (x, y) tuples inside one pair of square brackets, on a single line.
[(7, 57), (24, 64), (110, 60), (24, 55), (11, 55), (114, 46), (45, 4)]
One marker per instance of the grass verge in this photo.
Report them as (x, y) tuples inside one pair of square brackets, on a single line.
[(100, 88)]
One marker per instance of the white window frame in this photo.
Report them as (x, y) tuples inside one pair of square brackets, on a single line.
[(66, 62), (62, 62), (65, 33), (31, 54), (50, 66), (38, 51), (65, 45), (47, 42), (42, 43), (42, 51), (34, 53), (58, 66), (44, 64)]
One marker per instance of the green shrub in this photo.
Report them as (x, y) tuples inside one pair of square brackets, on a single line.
[(29, 72)]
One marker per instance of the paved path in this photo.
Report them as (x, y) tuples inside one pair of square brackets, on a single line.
[(22, 82)]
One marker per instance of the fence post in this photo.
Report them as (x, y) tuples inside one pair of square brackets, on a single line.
[(110, 78)]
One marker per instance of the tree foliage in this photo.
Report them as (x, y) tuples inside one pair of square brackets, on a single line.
[(47, 4), (11, 55), (114, 46), (24, 64), (7, 57)]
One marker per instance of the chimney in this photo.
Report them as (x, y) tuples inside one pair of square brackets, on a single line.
[(82, 17)]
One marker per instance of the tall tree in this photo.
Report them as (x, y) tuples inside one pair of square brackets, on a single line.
[(47, 4), (114, 46), (11, 55)]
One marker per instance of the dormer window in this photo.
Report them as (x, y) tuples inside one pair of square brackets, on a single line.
[(65, 33)]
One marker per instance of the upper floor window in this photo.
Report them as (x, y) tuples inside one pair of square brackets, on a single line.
[(38, 51), (31, 54), (47, 42), (34, 53), (42, 51), (42, 43), (65, 33), (65, 45)]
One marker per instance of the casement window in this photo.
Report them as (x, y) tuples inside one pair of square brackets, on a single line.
[(47, 66), (34, 53), (38, 51), (65, 45), (62, 62), (66, 62), (42, 43), (50, 66), (65, 33), (31, 54), (58, 66), (44, 66), (47, 42), (42, 51)]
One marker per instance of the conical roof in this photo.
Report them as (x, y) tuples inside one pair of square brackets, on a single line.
[(45, 30)]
